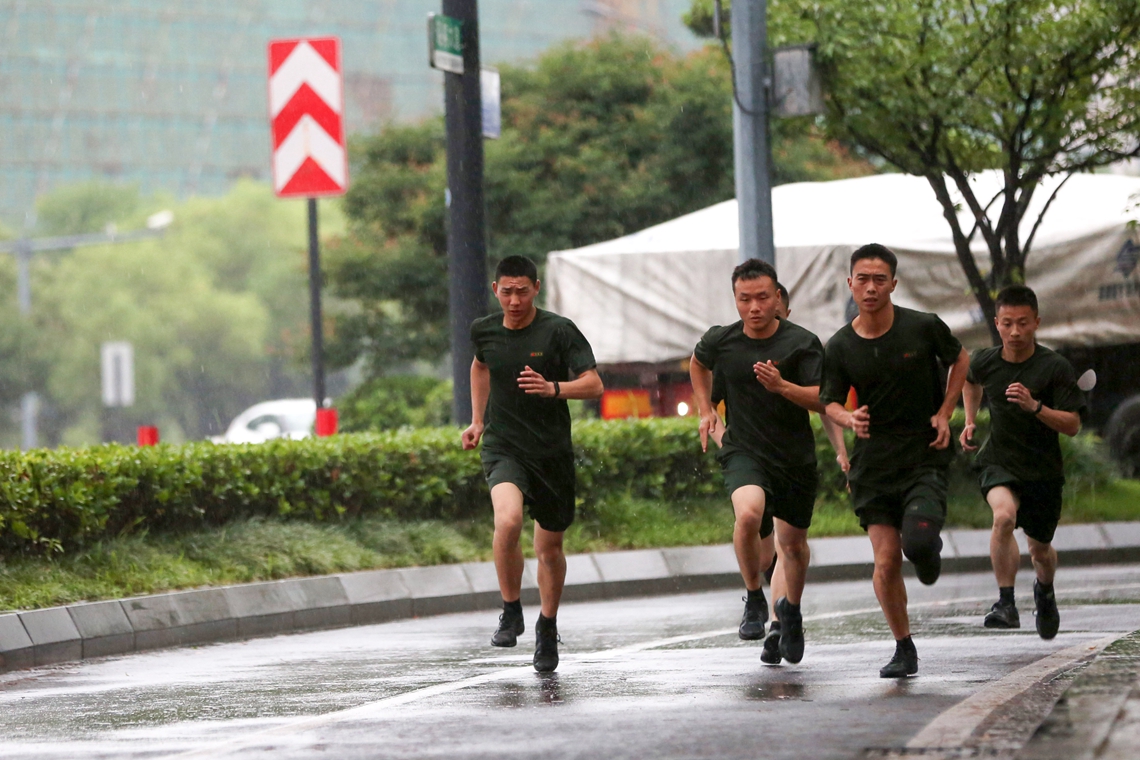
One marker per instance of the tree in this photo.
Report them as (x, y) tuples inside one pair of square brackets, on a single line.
[(217, 310), (944, 89), (600, 139)]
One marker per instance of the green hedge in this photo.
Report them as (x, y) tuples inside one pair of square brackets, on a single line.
[(63, 499)]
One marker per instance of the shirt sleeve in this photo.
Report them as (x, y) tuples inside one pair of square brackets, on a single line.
[(1067, 396), (576, 350), (974, 373), (707, 350), (834, 383), (946, 346), (810, 368), (475, 342)]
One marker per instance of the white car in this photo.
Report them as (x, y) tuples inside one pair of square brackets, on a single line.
[(284, 418)]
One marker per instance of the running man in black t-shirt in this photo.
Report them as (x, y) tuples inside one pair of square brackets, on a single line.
[(895, 359), (1033, 396), (527, 363), (771, 373)]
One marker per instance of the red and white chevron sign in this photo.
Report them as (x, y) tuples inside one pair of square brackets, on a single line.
[(306, 106)]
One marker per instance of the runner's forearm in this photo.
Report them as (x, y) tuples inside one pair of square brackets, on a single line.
[(588, 385), (701, 378), (840, 416), (1068, 423), (954, 383), (834, 434), (806, 396), (972, 400), (480, 390)]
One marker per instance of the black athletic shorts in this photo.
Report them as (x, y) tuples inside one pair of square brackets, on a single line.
[(547, 485), (789, 492), (922, 491), (1039, 501)]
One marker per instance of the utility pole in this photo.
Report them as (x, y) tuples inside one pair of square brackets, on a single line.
[(752, 149), (315, 282), (30, 401), (466, 233)]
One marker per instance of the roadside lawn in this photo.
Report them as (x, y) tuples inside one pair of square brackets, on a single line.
[(256, 550)]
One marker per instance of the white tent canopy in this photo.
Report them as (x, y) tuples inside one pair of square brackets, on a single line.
[(649, 296)]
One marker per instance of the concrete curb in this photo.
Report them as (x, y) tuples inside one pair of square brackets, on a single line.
[(98, 629), (1098, 716)]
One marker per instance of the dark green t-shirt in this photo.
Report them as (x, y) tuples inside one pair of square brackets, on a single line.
[(900, 376), (1019, 442), (531, 427), (763, 423)]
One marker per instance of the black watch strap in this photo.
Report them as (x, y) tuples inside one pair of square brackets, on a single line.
[(1040, 406), (557, 389)]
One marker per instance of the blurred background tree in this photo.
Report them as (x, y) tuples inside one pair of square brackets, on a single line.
[(600, 139)]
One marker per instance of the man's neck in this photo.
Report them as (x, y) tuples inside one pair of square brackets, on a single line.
[(767, 332), (1017, 357), (525, 321), (873, 324)]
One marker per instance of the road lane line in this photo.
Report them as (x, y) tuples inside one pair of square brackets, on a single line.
[(377, 707), (954, 727)]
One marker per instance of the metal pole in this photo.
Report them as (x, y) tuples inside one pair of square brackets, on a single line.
[(466, 236), (315, 307), (750, 130)]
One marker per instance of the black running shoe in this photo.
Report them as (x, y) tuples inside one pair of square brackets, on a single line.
[(903, 664), (771, 652), (755, 613), (1003, 615), (546, 645), (1048, 617), (511, 626), (791, 630)]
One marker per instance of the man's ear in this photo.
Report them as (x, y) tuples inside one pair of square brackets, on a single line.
[(495, 287), (537, 285)]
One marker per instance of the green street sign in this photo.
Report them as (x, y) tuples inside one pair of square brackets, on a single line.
[(445, 41)]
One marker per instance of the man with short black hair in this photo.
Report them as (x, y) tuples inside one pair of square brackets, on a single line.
[(528, 361), (1033, 396), (771, 378), (895, 359)]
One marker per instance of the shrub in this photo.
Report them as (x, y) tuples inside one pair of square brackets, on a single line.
[(391, 402), (67, 498)]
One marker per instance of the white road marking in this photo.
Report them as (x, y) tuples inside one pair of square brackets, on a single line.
[(378, 707)]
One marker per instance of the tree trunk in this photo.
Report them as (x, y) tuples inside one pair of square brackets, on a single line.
[(978, 285)]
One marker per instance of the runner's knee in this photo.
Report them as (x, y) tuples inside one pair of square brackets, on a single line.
[(1004, 522), (920, 539)]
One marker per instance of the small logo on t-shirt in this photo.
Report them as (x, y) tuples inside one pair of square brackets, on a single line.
[(910, 354), (535, 353)]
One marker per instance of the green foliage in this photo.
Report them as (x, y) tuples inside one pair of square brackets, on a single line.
[(599, 140), (217, 310), (70, 498), (943, 89), (394, 401), (86, 207)]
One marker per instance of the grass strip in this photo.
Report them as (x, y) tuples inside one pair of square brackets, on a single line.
[(265, 549)]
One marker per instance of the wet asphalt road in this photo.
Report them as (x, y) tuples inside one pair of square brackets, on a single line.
[(658, 677)]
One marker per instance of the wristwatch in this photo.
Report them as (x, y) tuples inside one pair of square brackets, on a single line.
[(557, 390), (1037, 411)]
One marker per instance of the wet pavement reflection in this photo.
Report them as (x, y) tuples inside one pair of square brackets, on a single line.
[(661, 677)]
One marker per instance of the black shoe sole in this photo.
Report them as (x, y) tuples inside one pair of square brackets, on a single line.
[(1000, 624), (514, 640), (901, 672), (771, 652)]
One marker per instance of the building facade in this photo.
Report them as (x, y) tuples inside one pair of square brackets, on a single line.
[(170, 95)]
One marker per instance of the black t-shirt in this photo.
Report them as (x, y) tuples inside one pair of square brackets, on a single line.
[(760, 422), (1019, 442), (529, 426), (900, 376)]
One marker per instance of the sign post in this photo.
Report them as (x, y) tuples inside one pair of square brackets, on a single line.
[(306, 106)]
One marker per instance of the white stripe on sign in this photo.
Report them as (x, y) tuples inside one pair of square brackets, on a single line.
[(304, 66), (308, 140)]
